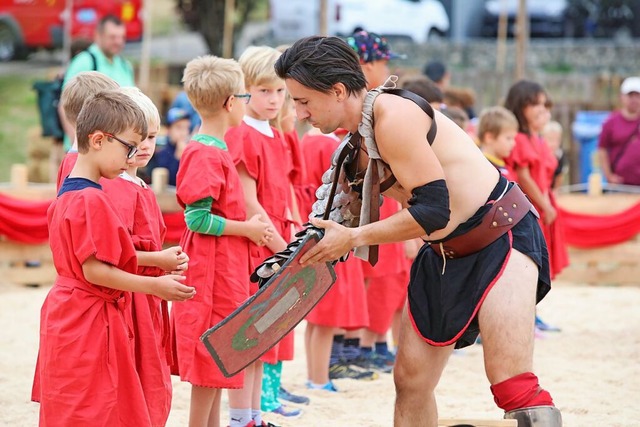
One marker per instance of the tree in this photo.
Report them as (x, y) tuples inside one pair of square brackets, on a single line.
[(207, 18)]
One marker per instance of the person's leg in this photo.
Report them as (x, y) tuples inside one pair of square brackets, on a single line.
[(202, 409), (308, 333), (319, 354), (395, 328), (416, 375), (256, 392), (240, 400), (506, 321)]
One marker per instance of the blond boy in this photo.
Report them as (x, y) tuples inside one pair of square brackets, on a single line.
[(217, 240), (263, 162), (497, 130)]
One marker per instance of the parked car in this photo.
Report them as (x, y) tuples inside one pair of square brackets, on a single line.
[(418, 20), (568, 18), (27, 25)]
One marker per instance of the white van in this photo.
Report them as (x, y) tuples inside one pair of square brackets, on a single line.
[(419, 20)]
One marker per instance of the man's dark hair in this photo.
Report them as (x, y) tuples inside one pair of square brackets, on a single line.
[(521, 95), (109, 18), (320, 62)]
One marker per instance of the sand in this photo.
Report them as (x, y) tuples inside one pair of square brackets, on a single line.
[(592, 367)]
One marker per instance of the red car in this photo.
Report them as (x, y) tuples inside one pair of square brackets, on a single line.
[(27, 25)]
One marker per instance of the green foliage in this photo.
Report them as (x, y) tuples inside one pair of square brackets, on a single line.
[(18, 113)]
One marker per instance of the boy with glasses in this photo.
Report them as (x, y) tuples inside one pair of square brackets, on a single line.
[(86, 372), (217, 240), (80, 88)]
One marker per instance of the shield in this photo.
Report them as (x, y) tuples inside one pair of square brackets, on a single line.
[(270, 314)]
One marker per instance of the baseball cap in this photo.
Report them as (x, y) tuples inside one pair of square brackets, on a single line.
[(371, 47), (174, 114), (630, 84)]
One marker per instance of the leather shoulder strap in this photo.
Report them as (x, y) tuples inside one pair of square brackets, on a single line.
[(424, 105)]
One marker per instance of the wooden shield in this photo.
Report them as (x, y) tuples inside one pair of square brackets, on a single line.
[(266, 317)]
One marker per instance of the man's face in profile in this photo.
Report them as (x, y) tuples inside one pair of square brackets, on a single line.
[(111, 39)]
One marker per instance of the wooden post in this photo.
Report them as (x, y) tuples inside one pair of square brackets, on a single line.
[(19, 176), (66, 37), (323, 24), (159, 180), (501, 48), (227, 37), (522, 27), (145, 54)]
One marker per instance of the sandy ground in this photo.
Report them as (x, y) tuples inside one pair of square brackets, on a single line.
[(592, 367)]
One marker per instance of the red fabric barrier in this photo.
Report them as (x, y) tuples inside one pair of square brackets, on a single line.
[(25, 221), (592, 231)]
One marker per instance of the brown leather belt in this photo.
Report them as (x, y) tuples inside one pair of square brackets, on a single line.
[(502, 217)]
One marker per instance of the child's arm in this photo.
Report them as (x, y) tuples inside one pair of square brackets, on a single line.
[(199, 219), (277, 243), (295, 212), (537, 196), (166, 287), (170, 259)]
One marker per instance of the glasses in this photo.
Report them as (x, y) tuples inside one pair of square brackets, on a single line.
[(132, 148), (245, 96)]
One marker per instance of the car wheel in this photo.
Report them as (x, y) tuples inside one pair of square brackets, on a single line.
[(8, 42)]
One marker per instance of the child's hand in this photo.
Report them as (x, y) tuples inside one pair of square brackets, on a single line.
[(169, 288), (173, 259), (258, 231)]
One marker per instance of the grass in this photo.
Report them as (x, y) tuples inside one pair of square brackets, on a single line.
[(18, 114)]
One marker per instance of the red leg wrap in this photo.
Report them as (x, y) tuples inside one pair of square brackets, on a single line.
[(521, 391)]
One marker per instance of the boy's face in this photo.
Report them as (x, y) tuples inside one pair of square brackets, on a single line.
[(147, 147), (504, 143), (266, 101), (179, 131), (113, 158)]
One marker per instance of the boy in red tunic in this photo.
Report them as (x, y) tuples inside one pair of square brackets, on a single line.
[(77, 90), (345, 304), (217, 239), (86, 364), (497, 130), (138, 208), (264, 164)]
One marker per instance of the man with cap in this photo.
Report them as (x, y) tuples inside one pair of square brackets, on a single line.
[(375, 54), (619, 142)]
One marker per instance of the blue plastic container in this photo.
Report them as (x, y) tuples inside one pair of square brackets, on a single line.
[(586, 130)]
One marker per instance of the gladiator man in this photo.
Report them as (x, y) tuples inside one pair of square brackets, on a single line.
[(484, 264)]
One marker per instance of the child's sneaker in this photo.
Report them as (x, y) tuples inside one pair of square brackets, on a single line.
[(329, 386), (283, 394), (544, 326), (289, 413), (342, 370)]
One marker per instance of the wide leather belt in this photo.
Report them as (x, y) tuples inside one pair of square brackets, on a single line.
[(502, 217)]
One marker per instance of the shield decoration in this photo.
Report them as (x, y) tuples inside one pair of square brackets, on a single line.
[(270, 314)]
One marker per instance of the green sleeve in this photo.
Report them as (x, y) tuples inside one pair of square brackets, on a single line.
[(81, 62), (199, 218)]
